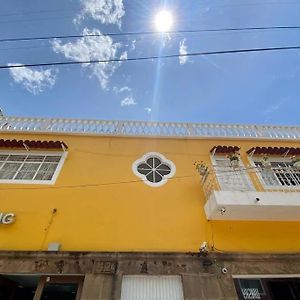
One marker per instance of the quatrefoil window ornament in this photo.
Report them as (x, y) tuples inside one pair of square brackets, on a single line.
[(154, 169)]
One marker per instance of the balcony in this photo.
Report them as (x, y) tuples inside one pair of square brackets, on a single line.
[(252, 193)]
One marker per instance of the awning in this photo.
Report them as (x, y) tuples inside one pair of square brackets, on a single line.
[(32, 144), (274, 151), (224, 149)]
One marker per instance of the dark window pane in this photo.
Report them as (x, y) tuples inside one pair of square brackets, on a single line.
[(59, 291), (154, 169), (150, 176), (150, 162), (158, 177), (163, 169), (157, 162), (46, 171), (35, 158), (52, 159), (3, 157), (144, 171), (144, 166), (27, 171), (17, 157), (9, 170)]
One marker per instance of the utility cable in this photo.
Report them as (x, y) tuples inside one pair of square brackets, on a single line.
[(143, 58), (91, 185), (231, 170), (22, 39)]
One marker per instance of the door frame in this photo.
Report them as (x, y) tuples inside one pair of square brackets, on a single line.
[(58, 279)]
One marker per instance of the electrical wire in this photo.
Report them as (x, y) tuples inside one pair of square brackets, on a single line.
[(91, 185), (255, 170), (41, 38), (144, 58)]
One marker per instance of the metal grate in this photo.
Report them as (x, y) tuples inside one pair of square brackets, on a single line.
[(152, 288), (280, 174)]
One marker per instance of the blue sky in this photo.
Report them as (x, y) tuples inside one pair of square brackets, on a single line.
[(261, 88)]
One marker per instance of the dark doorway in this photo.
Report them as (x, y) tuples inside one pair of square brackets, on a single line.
[(37, 287), (268, 288), (59, 288), (284, 289), (18, 287), (60, 291)]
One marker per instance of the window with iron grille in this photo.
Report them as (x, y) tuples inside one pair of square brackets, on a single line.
[(17, 167), (231, 178), (280, 172)]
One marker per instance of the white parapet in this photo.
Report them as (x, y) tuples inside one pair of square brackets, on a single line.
[(251, 205), (147, 129)]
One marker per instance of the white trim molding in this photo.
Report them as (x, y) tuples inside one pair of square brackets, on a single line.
[(163, 174)]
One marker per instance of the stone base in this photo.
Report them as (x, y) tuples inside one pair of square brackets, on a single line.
[(207, 277)]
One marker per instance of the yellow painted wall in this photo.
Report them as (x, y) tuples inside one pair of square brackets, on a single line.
[(102, 206)]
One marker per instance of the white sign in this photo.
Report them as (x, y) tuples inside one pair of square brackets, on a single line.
[(7, 218)]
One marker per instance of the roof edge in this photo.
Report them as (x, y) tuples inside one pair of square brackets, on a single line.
[(146, 128)]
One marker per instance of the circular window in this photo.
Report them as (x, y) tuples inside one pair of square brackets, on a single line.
[(154, 169)]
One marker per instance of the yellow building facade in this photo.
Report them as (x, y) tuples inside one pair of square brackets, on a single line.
[(144, 201)]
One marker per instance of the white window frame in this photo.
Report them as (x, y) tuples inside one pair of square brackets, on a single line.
[(62, 153), (253, 159)]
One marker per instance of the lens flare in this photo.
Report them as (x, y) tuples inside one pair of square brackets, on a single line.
[(163, 21)]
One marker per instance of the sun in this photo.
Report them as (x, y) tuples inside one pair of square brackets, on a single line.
[(163, 21)]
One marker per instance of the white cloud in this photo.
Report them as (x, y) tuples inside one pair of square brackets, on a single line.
[(148, 109), (133, 45), (128, 101), (105, 11), (34, 81), (126, 94), (124, 55), (124, 89), (183, 51), (274, 107), (92, 48)]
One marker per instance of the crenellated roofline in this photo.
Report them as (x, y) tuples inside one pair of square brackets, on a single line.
[(147, 129)]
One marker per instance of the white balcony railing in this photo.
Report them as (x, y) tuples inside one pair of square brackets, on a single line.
[(275, 179), (141, 128), (253, 193)]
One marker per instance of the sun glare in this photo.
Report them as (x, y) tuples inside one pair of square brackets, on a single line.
[(163, 21)]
